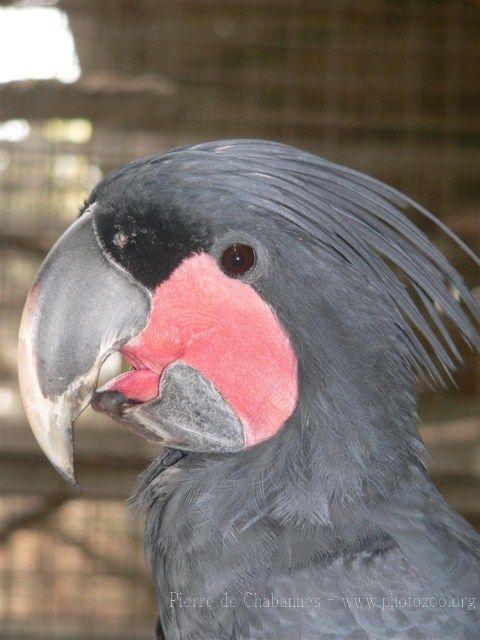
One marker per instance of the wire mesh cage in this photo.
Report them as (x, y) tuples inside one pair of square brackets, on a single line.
[(389, 88)]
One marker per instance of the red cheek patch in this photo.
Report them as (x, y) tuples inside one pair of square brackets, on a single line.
[(224, 329)]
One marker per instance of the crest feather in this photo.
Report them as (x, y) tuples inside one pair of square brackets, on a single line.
[(363, 220)]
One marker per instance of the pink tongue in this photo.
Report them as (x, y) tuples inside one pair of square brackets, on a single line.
[(138, 384)]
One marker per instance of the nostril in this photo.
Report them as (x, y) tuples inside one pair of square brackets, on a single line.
[(110, 401)]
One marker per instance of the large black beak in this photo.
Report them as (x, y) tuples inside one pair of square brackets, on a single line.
[(81, 308)]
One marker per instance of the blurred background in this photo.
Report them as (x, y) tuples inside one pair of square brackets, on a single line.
[(388, 87)]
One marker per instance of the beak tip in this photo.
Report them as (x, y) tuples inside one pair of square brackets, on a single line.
[(77, 488), (69, 476)]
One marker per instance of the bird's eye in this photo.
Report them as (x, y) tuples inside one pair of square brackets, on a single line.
[(237, 259)]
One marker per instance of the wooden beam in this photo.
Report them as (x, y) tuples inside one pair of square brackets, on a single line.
[(132, 572), (34, 476), (31, 515), (31, 245), (108, 461), (109, 100)]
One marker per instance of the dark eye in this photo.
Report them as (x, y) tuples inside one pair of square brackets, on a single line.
[(238, 259)]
